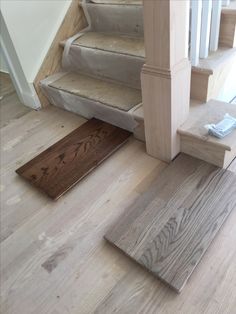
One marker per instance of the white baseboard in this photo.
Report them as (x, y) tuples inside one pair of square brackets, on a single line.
[(31, 99), (25, 90)]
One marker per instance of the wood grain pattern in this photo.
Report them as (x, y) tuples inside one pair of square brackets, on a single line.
[(65, 163), (168, 228), (89, 275), (73, 22)]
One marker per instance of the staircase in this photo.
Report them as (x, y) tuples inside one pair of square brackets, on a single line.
[(101, 78), (101, 73)]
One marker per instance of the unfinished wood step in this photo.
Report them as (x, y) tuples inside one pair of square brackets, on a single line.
[(196, 141), (110, 56), (61, 166), (214, 77), (168, 228), (92, 97)]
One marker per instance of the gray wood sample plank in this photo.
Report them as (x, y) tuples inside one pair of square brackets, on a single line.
[(170, 226)]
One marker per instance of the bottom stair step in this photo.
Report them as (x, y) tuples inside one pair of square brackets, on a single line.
[(65, 163), (196, 141), (108, 93), (94, 98), (168, 228)]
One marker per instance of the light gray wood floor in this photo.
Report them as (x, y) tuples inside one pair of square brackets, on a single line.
[(53, 255), (10, 108)]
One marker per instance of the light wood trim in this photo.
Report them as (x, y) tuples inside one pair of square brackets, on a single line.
[(73, 22), (199, 85), (228, 28), (211, 77), (165, 76), (202, 150)]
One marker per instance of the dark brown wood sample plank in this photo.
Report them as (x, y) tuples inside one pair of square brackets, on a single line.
[(65, 163), (170, 226)]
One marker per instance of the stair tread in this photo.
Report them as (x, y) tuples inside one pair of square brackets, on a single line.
[(108, 93), (133, 2), (121, 44), (215, 59), (207, 113)]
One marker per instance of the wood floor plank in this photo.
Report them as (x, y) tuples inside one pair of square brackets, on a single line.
[(232, 166), (62, 165), (6, 86), (170, 226), (10, 106), (92, 275), (10, 109)]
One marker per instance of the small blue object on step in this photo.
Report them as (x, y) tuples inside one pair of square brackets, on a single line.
[(223, 128)]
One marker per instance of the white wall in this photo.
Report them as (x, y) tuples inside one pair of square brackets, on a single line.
[(32, 25), (24, 89)]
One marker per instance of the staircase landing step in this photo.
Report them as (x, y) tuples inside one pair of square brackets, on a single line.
[(195, 139), (68, 161), (215, 60), (108, 93), (116, 43), (169, 227), (213, 78)]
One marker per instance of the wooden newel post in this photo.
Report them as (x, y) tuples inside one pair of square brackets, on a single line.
[(165, 75)]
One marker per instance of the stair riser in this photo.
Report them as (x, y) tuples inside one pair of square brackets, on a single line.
[(139, 130), (202, 150), (89, 109), (124, 19), (220, 85), (122, 68), (199, 86), (227, 35)]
